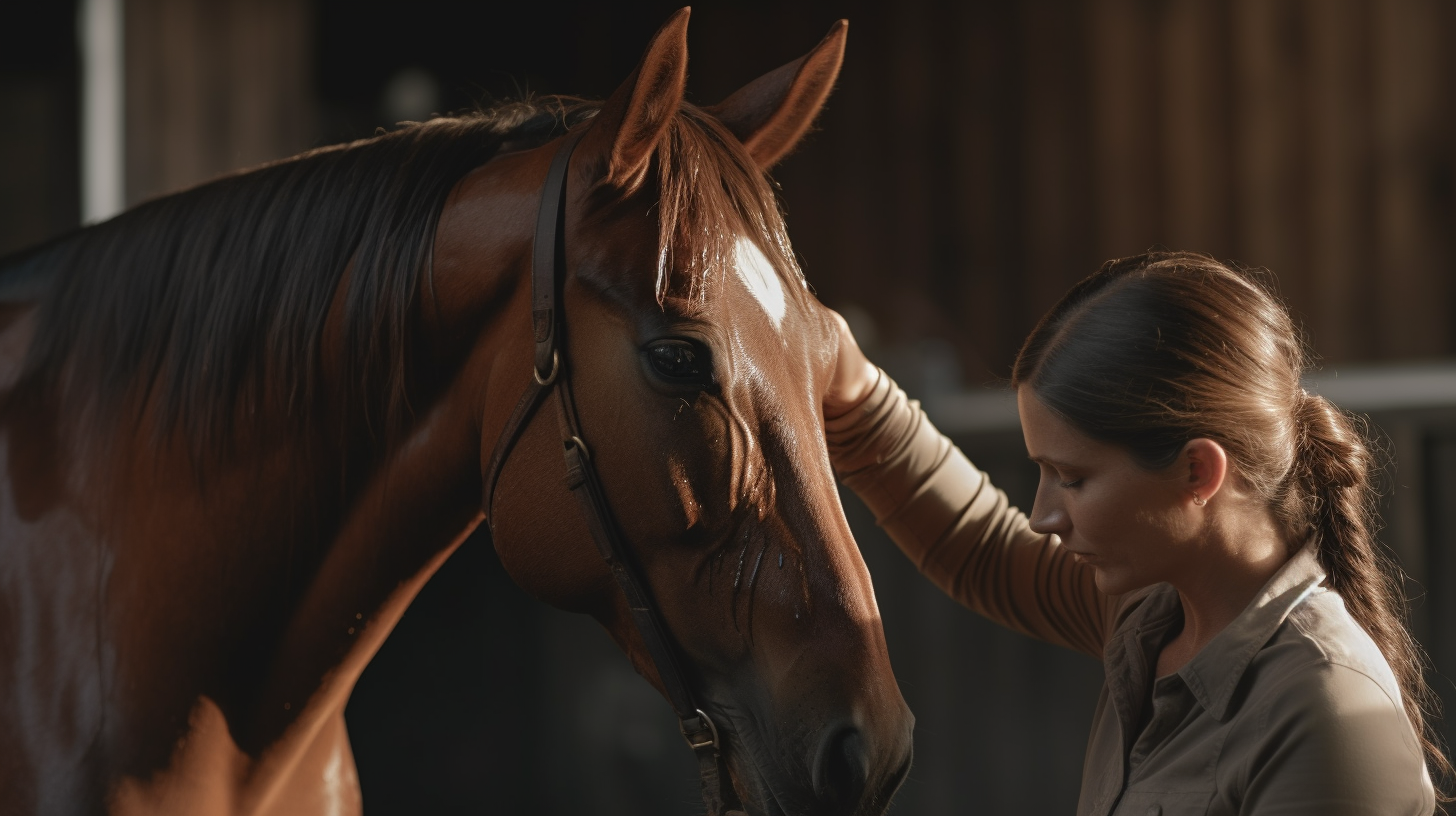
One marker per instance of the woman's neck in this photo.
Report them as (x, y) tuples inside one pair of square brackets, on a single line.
[(1238, 554)]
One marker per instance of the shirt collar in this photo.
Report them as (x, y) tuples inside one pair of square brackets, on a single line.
[(1214, 673)]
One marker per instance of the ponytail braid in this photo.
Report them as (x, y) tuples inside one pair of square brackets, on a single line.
[(1332, 500)]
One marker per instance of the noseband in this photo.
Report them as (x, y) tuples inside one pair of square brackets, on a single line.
[(551, 373)]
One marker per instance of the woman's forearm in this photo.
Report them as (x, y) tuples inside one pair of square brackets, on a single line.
[(958, 528)]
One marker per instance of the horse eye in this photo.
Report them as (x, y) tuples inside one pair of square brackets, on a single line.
[(681, 361)]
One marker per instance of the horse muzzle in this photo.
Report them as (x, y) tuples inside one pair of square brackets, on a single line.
[(849, 771)]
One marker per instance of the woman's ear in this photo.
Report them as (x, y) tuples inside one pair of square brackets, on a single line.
[(1207, 467)]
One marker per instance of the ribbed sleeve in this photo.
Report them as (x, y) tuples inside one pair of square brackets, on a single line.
[(958, 529)]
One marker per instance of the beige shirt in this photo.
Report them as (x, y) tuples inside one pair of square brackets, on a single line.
[(1290, 710)]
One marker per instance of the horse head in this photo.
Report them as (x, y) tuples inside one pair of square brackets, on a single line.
[(696, 358)]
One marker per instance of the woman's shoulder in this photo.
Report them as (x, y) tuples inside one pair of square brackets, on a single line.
[(1321, 670), (1320, 641), (1321, 710)]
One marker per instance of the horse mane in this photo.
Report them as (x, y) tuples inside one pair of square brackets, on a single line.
[(210, 300)]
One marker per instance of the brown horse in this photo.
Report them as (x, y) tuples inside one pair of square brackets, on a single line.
[(242, 426)]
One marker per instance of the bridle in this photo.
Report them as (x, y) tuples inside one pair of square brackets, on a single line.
[(550, 372)]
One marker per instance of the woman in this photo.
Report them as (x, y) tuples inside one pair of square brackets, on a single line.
[(1202, 525)]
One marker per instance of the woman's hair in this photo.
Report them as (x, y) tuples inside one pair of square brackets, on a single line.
[(1158, 349)]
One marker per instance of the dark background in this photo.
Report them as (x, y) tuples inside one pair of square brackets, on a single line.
[(976, 159)]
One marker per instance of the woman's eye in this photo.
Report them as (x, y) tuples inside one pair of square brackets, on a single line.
[(681, 361), (1070, 483)]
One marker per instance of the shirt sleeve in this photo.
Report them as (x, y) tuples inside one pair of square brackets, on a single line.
[(958, 529), (1334, 743)]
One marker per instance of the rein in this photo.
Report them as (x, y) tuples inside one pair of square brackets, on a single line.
[(550, 373)]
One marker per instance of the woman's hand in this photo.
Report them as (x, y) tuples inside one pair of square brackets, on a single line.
[(854, 375)]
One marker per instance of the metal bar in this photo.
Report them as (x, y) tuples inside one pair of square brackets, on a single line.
[(100, 34), (1362, 389)]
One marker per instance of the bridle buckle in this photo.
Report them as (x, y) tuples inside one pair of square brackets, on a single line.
[(555, 368), (700, 737)]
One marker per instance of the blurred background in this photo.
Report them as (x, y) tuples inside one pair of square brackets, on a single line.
[(976, 160)]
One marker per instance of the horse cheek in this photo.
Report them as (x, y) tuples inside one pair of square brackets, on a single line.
[(541, 539)]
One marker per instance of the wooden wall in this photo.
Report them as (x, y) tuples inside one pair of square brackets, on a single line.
[(976, 159), (213, 86), (979, 158)]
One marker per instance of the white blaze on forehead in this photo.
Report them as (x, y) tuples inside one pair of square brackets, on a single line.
[(758, 274)]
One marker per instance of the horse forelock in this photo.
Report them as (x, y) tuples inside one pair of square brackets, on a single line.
[(209, 301), (711, 196)]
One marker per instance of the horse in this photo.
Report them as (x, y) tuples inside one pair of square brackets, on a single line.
[(243, 424)]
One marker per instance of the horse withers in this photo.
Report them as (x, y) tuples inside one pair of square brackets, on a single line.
[(243, 424)]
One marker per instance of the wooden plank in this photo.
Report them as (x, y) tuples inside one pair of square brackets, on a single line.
[(910, 105), (1269, 164), (269, 111), (984, 226), (1339, 107), (1194, 102), (212, 87), (1413, 250), (1125, 191), (1056, 233)]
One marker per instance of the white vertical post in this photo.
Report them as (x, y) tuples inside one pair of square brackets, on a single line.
[(100, 32)]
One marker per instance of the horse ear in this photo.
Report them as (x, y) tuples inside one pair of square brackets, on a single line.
[(635, 116), (770, 114)]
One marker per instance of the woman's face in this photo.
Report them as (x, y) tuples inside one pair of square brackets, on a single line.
[(1123, 520)]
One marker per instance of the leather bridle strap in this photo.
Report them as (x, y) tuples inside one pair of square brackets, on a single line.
[(546, 365), (550, 371)]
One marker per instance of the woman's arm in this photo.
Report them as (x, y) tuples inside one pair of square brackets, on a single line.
[(946, 516)]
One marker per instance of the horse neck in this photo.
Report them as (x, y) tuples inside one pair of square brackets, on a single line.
[(424, 495), (263, 579), (306, 544)]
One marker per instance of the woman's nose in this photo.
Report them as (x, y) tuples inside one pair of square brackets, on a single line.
[(1047, 517)]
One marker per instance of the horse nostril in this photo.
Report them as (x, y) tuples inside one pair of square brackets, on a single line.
[(840, 770)]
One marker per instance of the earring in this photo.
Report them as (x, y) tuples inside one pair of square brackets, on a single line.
[(1199, 500)]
